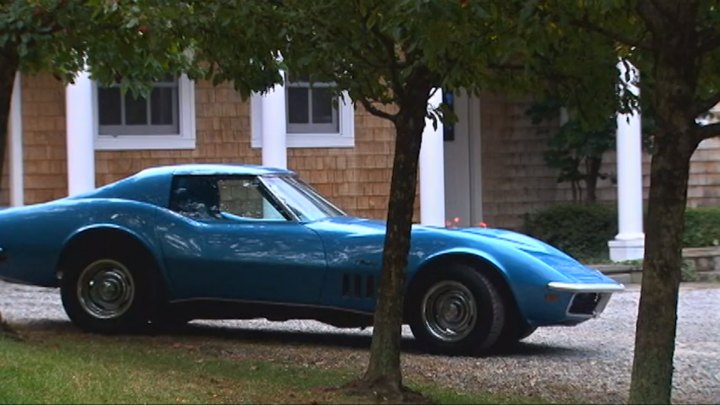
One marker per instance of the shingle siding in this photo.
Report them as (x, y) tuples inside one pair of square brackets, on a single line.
[(514, 176), (356, 179)]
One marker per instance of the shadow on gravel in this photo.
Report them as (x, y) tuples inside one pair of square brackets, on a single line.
[(347, 340), (309, 338)]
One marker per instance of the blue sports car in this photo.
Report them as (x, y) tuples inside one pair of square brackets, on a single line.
[(176, 243)]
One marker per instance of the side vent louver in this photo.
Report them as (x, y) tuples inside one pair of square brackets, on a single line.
[(358, 286)]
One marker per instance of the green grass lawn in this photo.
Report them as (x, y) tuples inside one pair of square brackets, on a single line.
[(72, 367)]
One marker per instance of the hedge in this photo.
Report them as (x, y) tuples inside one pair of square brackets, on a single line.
[(583, 230)]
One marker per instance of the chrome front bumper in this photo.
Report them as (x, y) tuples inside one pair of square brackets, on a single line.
[(583, 288), (589, 300)]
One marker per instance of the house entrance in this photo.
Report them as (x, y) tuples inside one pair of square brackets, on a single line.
[(462, 159)]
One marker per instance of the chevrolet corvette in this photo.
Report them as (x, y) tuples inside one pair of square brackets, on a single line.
[(202, 241)]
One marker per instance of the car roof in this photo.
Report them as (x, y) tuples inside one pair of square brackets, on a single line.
[(214, 169)]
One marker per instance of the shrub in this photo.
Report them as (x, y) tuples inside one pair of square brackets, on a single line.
[(581, 230), (702, 227)]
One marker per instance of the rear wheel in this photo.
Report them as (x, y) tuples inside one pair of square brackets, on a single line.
[(108, 292), (456, 311)]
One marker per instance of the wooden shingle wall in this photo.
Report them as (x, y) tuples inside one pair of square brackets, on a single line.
[(517, 181), (44, 152), (356, 179), (515, 177)]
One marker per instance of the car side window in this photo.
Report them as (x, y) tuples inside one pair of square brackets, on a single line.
[(196, 197), (222, 199), (242, 198)]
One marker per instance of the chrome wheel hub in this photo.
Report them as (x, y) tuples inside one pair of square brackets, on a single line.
[(449, 311), (105, 289)]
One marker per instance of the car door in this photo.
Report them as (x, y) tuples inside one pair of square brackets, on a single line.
[(251, 250)]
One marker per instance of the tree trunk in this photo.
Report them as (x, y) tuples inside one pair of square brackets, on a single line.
[(657, 314), (592, 172), (676, 70), (384, 375)]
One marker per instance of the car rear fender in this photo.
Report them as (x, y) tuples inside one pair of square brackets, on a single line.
[(104, 233)]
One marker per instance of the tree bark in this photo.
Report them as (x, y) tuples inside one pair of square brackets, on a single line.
[(676, 71), (592, 172), (657, 315), (384, 373)]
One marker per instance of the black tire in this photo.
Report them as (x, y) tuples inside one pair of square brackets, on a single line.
[(512, 334), (107, 291), (473, 314)]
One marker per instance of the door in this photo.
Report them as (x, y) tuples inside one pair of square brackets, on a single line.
[(250, 249)]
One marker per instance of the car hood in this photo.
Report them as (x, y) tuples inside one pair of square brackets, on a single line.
[(504, 245), (551, 256)]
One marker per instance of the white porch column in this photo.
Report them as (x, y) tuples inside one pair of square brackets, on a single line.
[(432, 172), (274, 127), (80, 135), (629, 244), (17, 185)]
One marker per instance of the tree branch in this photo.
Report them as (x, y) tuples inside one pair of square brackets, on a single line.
[(392, 61), (665, 14), (376, 111), (703, 106), (708, 131), (709, 40), (588, 25)]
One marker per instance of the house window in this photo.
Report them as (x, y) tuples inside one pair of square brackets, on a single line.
[(165, 119), (311, 108), (315, 116)]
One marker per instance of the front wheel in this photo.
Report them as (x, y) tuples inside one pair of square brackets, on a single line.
[(107, 293), (456, 311)]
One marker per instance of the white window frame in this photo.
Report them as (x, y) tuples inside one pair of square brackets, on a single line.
[(310, 127), (344, 138), (185, 139)]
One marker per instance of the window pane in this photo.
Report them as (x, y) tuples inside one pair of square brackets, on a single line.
[(135, 110), (109, 107), (162, 105), (307, 204), (242, 199), (322, 106), (195, 197), (298, 106)]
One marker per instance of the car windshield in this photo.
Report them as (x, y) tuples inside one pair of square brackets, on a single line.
[(300, 198)]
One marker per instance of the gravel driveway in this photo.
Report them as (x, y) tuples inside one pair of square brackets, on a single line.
[(591, 361)]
